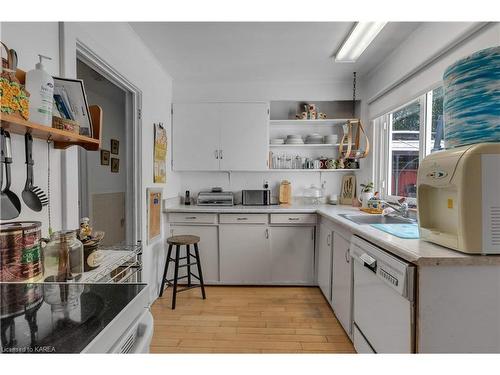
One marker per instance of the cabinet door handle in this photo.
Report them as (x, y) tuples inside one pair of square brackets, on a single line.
[(190, 217), (216, 152), (328, 239), (348, 255), (242, 218), (267, 233), (293, 218), (220, 154)]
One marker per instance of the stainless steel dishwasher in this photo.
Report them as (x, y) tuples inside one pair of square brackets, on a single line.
[(384, 300)]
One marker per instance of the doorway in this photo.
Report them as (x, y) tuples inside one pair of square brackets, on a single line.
[(106, 195)]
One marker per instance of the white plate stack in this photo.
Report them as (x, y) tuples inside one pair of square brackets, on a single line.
[(331, 139), (294, 139), (277, 141), (314, 139)]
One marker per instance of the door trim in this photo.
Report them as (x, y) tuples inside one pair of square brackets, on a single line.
[(71, 49)]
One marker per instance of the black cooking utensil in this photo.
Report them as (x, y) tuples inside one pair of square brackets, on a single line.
[(7, 208), (33, 196), (13, 208)]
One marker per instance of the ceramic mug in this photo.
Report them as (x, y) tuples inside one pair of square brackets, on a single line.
[(323, 163), (317, 164), (331, 164)]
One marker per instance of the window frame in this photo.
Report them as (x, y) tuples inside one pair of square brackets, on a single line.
[(383, 174)]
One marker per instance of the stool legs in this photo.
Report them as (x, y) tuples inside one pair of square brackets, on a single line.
[(198, 264), (176, 274), (174, 282), (169, 253), (188, 258)]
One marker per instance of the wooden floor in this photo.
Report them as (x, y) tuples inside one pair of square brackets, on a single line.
[(248, 320)]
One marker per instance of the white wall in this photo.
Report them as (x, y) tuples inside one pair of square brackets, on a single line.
[(121, 48), (112, 101), (29, 40), (260, 91)]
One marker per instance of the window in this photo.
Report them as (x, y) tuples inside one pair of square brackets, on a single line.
[(408, 134), (404, 150), (437, 120)]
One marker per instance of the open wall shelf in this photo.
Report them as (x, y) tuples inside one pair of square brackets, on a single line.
[(322, 122), (62, 139), (305, 145)]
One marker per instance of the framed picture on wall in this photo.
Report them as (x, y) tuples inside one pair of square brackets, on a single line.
[(105, 157), (160, 154), (153, 206), (115, 165), (115, 146)]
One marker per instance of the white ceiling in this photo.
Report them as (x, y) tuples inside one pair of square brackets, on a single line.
[(262, 51)]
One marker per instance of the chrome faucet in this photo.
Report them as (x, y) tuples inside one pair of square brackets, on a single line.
[(400, 208)]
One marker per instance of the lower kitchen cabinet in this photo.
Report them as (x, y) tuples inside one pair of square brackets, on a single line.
[(244, 253), (292, 254), (342, 281), (325, 260), (208, 247)]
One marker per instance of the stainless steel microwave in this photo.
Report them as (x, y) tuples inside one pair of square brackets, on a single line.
[(256, 197)]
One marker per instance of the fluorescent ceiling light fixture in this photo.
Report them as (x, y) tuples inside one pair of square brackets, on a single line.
[(360, 37)]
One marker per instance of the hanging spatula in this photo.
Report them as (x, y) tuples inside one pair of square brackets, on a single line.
[(11, 205), (8, 208), (33, 196)]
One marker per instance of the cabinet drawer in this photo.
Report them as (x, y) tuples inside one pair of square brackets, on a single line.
[(293, 218), (192, 217), (243, 218)]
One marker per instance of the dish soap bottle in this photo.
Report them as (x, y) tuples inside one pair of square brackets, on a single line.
[(40, 85)]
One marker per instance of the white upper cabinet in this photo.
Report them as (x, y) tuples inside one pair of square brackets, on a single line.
[(195, 140), (220, 136), (244, 136)]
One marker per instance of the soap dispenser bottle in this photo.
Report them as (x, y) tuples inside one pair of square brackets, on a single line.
[(40, 85)]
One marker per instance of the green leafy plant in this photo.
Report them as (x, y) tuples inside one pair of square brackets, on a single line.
[(367, 188)]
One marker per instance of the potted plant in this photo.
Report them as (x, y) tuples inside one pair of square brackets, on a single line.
[(366, 194)]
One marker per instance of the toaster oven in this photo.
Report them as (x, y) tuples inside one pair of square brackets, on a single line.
[(256, 197)]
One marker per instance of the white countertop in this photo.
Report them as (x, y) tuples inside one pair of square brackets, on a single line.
[(416, 251)]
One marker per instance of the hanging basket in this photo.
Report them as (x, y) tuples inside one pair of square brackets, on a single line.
[(349, 147), (14, 99)]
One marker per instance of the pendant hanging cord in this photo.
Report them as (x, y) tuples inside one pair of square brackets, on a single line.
[(354, 95)]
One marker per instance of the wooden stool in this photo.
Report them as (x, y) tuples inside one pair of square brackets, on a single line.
[(179, 241)]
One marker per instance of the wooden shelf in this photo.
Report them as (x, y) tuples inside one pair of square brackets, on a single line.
[(62, 139)]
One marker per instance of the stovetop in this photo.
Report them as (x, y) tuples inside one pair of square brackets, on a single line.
[(58, 318)]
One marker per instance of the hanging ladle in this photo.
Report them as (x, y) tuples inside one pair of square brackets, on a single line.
[(9, 202), (33, 196)]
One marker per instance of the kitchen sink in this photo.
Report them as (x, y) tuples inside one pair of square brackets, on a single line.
[(377, 219)]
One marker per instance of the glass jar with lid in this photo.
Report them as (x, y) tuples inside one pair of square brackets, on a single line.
[(63, 257)]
